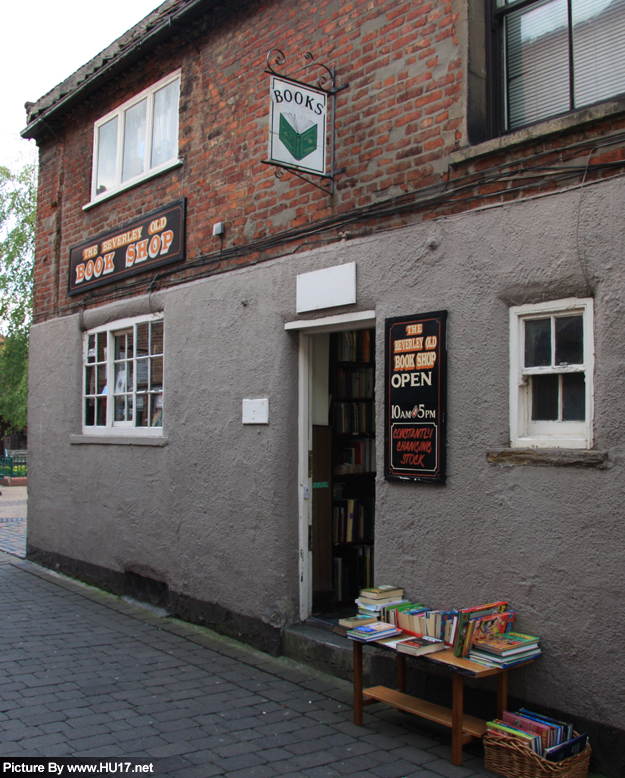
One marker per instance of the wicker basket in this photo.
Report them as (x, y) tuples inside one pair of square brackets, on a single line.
[(513, 759)]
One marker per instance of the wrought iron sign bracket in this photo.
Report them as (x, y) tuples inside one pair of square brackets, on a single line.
[(326, 82)]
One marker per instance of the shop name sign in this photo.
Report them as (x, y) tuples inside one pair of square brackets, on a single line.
[(154, 240), (415, 398), (297, 137)]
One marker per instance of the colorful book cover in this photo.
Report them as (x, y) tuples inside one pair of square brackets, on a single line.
[(566, 727), (506, 643), (530, 725), (467, 614), (532, 740), (493, 626)]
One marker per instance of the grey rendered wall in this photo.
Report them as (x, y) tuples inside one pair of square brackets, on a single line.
[(214, 512)]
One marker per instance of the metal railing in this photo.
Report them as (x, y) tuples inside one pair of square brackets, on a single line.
[(14, 464)]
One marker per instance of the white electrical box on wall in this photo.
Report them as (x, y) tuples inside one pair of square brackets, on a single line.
[(256, 411)]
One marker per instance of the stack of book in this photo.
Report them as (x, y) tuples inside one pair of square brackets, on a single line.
[(375, 631), (552, 739), (356, 621), (374, 600), (506, 650)]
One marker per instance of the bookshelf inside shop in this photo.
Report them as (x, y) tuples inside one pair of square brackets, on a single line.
[(352, 421)]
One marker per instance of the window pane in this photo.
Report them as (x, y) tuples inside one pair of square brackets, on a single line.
[(165, 128), (157, 338), (107, 157), (90, 381), (101, 355), (120, 378), (134, 141), (89, 413), (142, 410), (545, 397), (156, 378), (569, 340), (120, 408), (142, 374), (143, 336), (91, 349), (156, 411), (573, 397), (537, 52), (537, 342), (120, 346), (598, 49), (101, 379), (101, 405)]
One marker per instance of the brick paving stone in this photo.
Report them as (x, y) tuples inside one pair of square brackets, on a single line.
[(96, 675)]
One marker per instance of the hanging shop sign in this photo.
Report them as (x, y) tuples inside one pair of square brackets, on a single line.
[(415, 398), (298, 133), (154, 240)]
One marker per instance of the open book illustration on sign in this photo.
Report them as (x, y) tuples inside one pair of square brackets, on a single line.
[(299, 134)]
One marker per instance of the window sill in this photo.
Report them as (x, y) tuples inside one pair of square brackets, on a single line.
[(548, 457), (135, 182), (543, 129), (118, 440)]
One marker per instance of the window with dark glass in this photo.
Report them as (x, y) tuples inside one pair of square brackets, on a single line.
[(556, 56), (556, 342)]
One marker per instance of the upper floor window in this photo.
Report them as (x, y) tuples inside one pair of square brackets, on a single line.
[(136, 140), (551, 374), (123, 377), (558, 56)]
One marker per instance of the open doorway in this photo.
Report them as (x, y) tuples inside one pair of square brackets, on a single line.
[(342, 468)]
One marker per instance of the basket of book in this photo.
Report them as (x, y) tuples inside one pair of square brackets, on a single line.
[(512, 758)]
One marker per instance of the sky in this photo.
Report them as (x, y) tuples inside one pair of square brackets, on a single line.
[(42, 44)]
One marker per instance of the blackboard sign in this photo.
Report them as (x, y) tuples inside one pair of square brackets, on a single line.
[(154, 240), (415, 398)]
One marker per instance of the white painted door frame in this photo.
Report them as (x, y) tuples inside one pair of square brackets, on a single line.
[(360, 320)]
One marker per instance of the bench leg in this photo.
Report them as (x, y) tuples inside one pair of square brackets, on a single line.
[(357, 657)]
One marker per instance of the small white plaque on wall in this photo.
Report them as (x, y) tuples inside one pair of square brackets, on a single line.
[(326, 288), (256, 411)]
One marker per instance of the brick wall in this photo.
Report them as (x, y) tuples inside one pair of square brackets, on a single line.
[(396, 124), (399, 126)]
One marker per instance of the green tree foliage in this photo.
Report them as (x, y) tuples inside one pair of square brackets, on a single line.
[(18, 208)]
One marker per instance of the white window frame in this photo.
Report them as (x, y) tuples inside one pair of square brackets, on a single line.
[(112, 427), (120, 113), (525, 433)]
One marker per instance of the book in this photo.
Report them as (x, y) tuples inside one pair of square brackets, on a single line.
[(418, 646), (490, 660), (357, 621), (382, 592), (465, 615), (298, 134), (496, 625), (532, 740), (565, 750), (380, 601), (567, 727), (505, 645), (373, 631), (530, 725), (375, 607)]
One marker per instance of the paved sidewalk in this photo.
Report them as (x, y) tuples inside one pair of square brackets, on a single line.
[(83, 673), (13, 511)]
